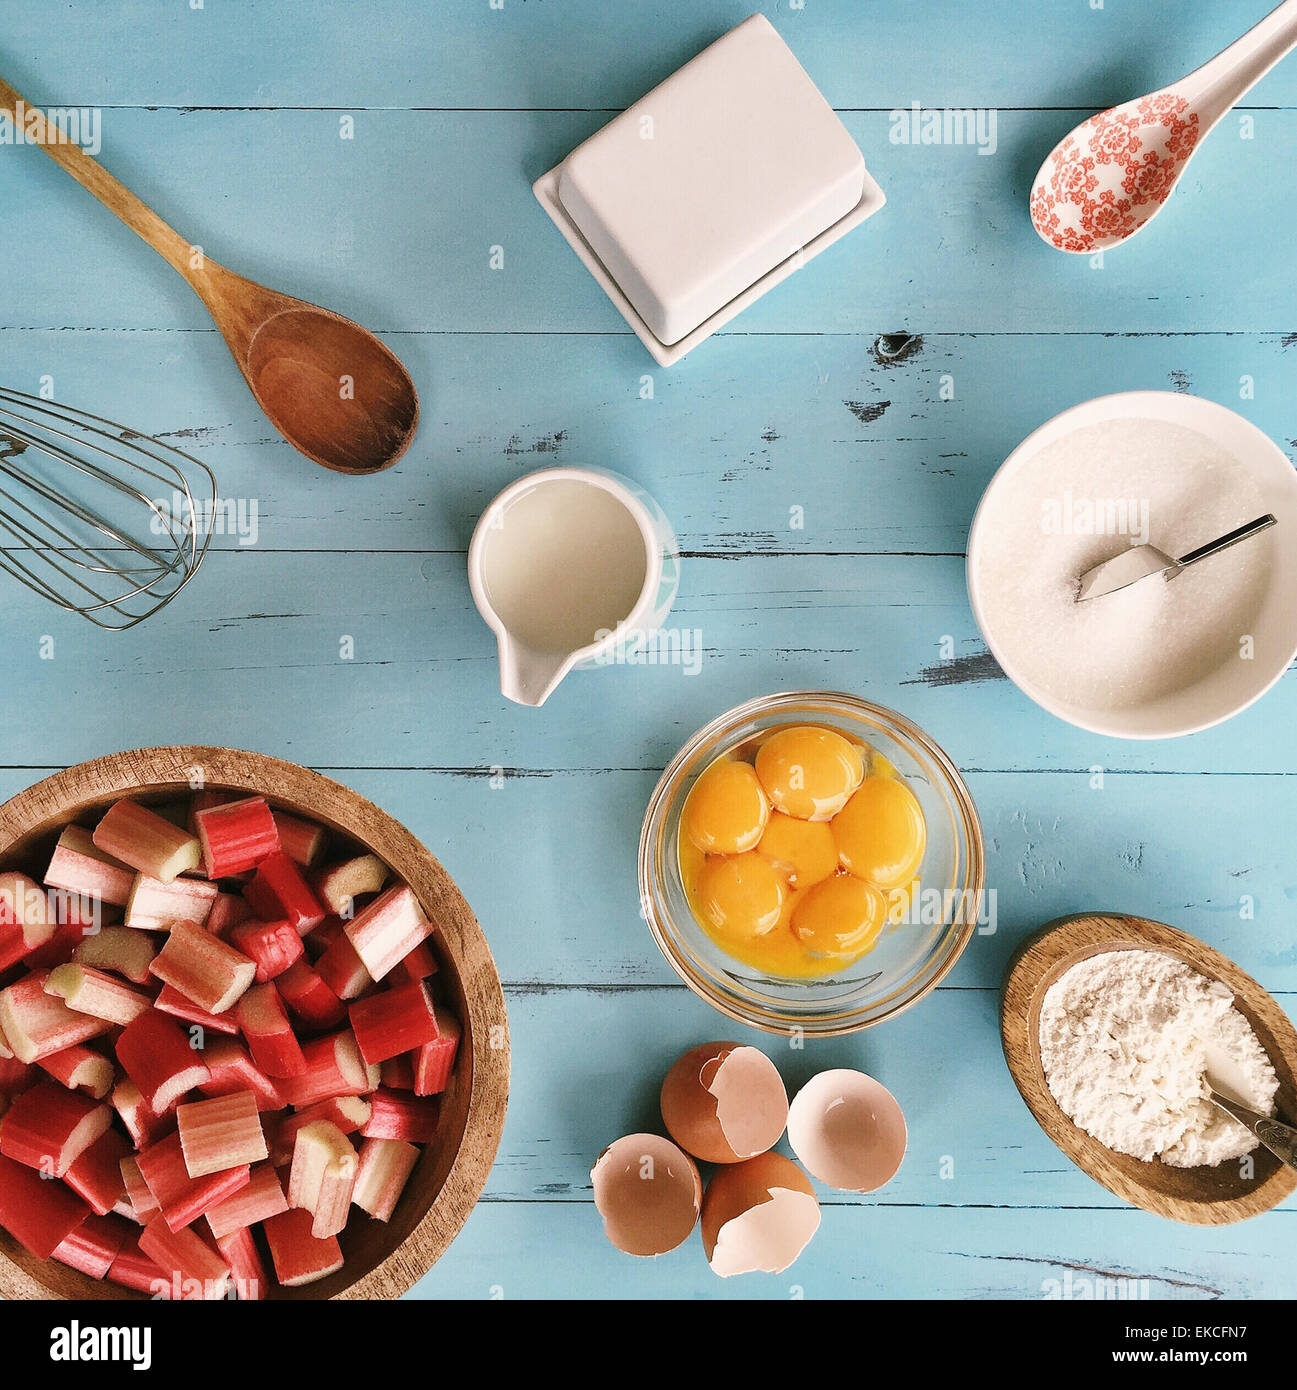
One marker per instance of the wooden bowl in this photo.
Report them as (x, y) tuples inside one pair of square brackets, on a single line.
[(382, 1260), (1200, 1196)]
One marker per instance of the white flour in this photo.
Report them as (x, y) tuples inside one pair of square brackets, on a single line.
[(1125, 1037)]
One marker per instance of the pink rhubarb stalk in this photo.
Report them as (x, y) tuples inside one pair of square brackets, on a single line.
[(398, 1020), (236, 836), (221, 1133), (384, 1169), (333, 1067), (261, 1199), (323, 1177), (38, 1212), (134, 835), (159, 1060), (270, 1036), (341, 884), (98, 994), (36, 1024), (272, 946), (79, 866), (278, 892), (386, 931), (120, 950), (298, 1256), (156, 906), (81, 1068), (50, 1127), (195, 1269), (203, 968), (184, 1199)]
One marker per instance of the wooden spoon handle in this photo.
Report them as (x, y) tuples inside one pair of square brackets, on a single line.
[(93, 177)]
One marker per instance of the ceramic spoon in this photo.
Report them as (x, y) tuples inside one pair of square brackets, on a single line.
[(327, 385), (1111, 176)]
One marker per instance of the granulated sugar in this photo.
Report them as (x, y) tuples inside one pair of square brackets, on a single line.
[(1126, 1038), (1080, 501)]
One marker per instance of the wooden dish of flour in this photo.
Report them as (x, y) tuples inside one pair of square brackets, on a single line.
[(1201, 1196)]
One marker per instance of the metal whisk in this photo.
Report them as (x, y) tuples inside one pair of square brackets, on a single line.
[(97, 518)]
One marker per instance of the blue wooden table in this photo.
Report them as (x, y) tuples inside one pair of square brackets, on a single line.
[(230, 117)]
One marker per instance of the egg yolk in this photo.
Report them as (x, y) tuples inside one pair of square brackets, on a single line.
[(804, 850), (880, 832), (741, 896), (809, 773), (840, 917), (727, 811)]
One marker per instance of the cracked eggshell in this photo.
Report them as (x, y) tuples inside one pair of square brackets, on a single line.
[(724, 1102), (847, 1130), (648, 1192), (758, 1216)]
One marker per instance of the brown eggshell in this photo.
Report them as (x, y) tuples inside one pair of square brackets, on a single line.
[(648, 1192), (848, 1130), (758, 1216), (724, 1102)]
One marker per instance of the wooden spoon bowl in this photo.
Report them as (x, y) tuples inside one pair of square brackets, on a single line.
[(383, 1261), (1212, 1196)]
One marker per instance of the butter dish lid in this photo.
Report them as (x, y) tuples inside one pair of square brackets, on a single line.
[(724, 170)]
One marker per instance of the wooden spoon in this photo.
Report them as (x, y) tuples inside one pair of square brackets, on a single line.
[(327, 385)]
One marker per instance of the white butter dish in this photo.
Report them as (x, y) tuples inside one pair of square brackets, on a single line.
[(710, 190)]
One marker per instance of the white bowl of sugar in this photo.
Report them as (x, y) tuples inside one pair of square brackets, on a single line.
[(1163, 657)]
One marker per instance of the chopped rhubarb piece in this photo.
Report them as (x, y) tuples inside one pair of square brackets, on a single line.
[(298, 1256), (236, 836), (134, 835), (397, 1073), (227, 911), (278, 892), (79, 866), (156, 906), (159, 1060), (309, 998), (386, 931), (58, 950), (141, 1121), (97, 1174), (240, 1252), (171, 1001), (384, 1169), (341, 884), (221, 1133), (94, 1245), (184, 1199), (347, 1113), (270, 1036), (343, 970), (323, 1177), (39, 1213), (398, 1020), (119, 949), (333, 1067), (435, 1061), (144, 1205), (324, 936), (81, 1068), (50, 1127), (418, 965), (301, 840), (259, 1201), (400, 1116), (15, 1076), (26, 922), (233, 1070), (272, 946), (197, 1271), (98, 994), (132, 1270), (36, 1024), (202, 800), (203, 968)]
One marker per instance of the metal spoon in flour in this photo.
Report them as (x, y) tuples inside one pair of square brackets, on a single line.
[(1141, 561), (1279, 1138)]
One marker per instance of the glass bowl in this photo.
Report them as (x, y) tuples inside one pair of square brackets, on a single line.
[(910, 957)]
